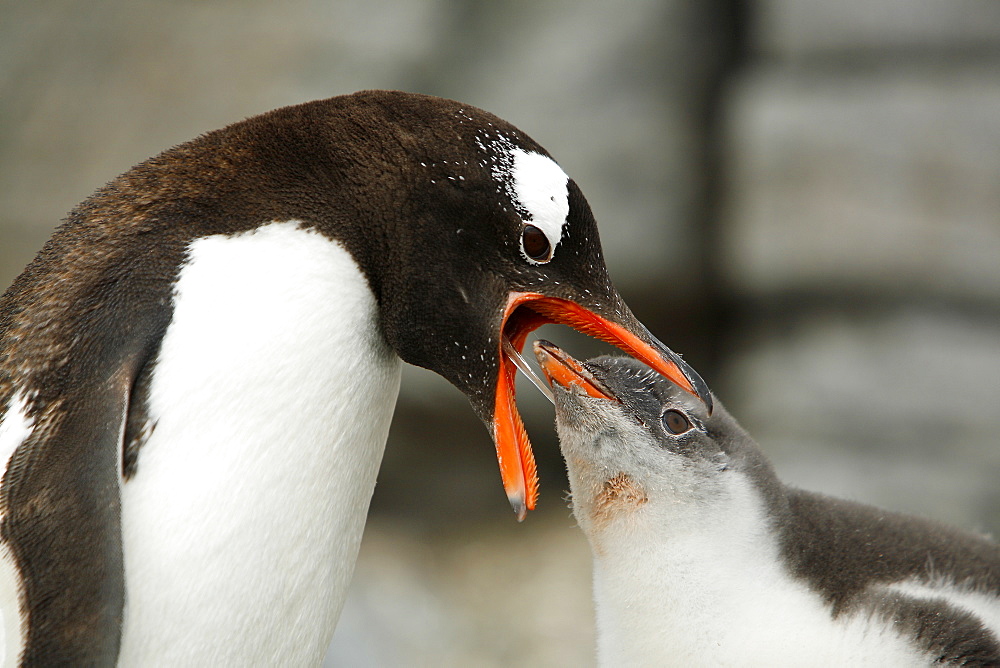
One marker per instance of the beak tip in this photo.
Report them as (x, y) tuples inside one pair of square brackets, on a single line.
[(519, 506), (701, 389), (698, 385)]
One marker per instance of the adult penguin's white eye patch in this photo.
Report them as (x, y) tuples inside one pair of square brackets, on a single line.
[(540, 186)]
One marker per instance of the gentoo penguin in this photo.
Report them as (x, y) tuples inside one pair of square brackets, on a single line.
[(702, 557), (198, 370)]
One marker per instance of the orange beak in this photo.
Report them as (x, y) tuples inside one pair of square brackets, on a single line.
[(561, 369), (525, 312)]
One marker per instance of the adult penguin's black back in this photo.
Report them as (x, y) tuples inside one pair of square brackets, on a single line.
[(198, 371)]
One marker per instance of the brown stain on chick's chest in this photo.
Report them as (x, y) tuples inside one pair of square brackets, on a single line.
[(618, 495)]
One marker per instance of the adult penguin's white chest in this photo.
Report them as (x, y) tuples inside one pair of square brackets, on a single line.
[(269, 404)]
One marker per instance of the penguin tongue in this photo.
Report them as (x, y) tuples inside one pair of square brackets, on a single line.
[(526, 312), (516, 358)]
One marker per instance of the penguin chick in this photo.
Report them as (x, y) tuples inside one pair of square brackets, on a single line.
[(703, 557)]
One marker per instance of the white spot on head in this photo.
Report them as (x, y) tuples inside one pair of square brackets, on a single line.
[(539, 185), (535, 184)]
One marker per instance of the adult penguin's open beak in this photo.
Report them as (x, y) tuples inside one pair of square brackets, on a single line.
[(525, 312)]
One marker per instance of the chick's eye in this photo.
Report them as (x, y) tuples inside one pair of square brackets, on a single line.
[(675, 422), (535, 244)]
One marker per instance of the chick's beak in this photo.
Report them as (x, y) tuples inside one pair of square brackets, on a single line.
[(561, 369)]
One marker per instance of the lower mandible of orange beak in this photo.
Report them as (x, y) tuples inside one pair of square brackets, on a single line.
[(525, 312)]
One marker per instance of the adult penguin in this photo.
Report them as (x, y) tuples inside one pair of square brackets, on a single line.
[(198, 370)]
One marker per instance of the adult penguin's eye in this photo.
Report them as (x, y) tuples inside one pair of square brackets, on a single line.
[(675, 422), (535, 244)]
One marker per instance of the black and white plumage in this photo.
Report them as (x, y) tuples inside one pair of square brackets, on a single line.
[(702, 557), (198, 370)]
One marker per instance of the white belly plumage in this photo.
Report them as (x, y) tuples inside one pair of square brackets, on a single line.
[(715, 593), (270, 404), (15, 428)]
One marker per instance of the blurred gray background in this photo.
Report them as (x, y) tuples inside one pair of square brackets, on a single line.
[(801, 196)]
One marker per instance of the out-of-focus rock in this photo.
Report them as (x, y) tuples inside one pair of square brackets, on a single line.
[(873, 181), (861, 239)]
